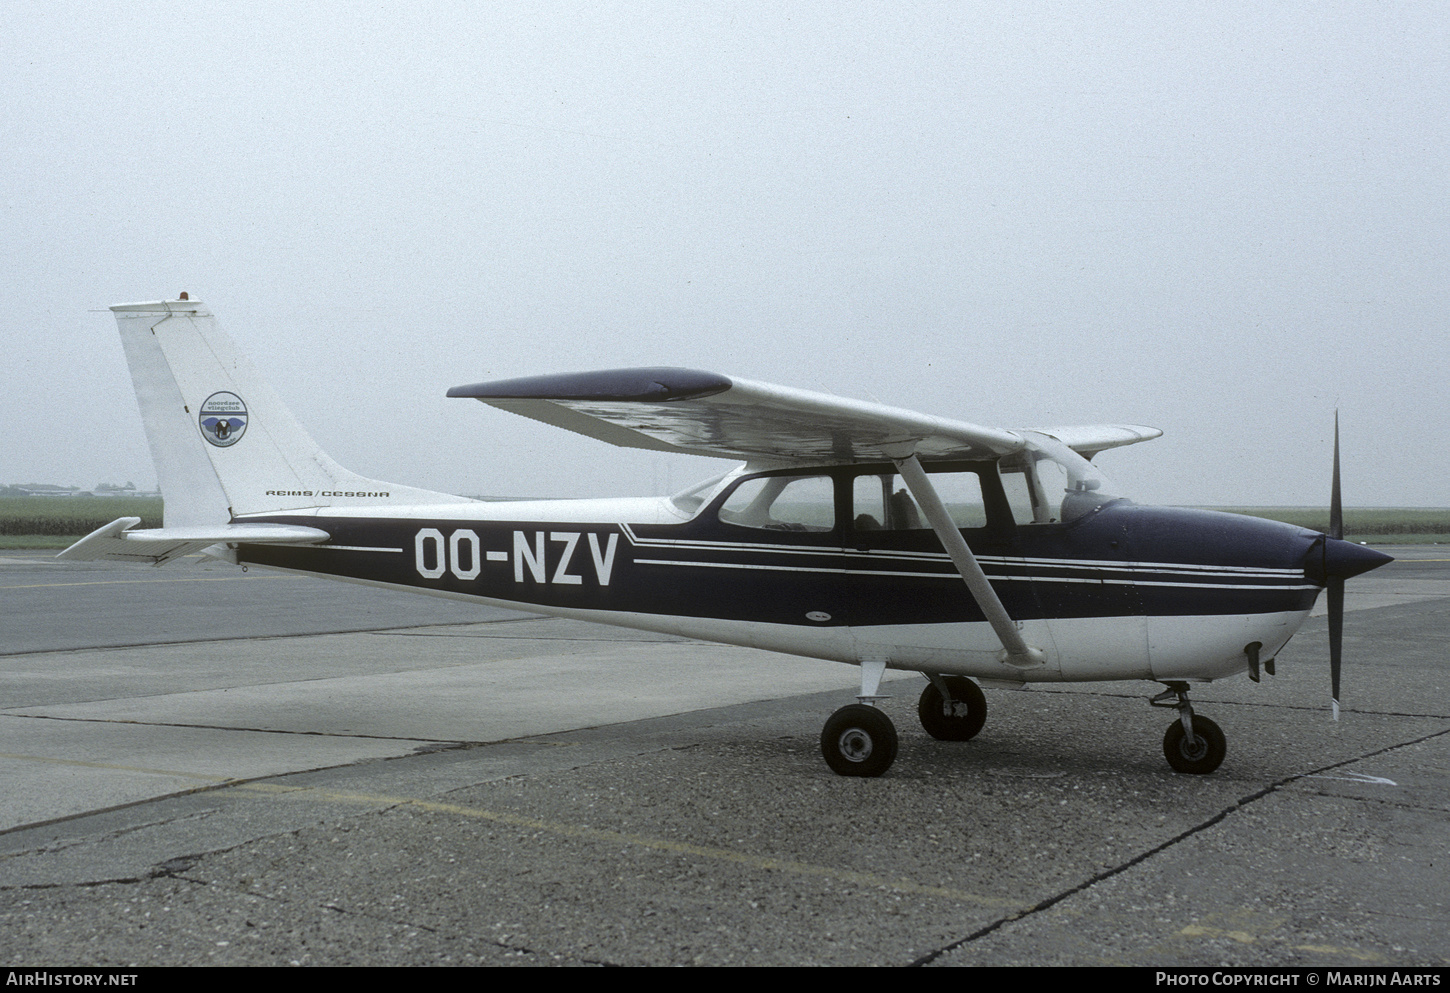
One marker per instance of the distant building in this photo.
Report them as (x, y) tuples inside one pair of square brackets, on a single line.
[(129, 490), (45, 489), (52, 490)]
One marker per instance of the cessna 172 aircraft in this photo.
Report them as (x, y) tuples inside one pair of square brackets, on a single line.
[(846, 534)]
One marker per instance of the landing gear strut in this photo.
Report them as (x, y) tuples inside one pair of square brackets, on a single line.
[(1192, 744)]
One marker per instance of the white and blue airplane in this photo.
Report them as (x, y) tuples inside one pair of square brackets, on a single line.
[(851, 531)]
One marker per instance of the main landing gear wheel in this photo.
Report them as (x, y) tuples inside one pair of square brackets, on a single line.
[(1197, 757), (958, 719), (859, 741)]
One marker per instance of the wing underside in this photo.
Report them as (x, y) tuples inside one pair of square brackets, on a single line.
[(701, 413)]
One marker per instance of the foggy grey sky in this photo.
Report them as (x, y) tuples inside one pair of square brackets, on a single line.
[(1221, 220)]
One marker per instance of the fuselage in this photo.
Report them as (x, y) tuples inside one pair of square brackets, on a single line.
[(1121, 591)]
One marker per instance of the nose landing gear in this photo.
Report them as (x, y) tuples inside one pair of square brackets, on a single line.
[(1192, 744)]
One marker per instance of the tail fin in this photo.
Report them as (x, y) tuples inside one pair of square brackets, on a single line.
[(223, 442)]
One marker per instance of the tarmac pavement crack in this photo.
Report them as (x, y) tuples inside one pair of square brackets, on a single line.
[(212, 639), (173, 868), (1173, 842), (65, 844), (86, 884), (220, 783), (1396, 746), (255, 730)]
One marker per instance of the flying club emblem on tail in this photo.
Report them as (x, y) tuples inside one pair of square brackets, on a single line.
[(223, 419)]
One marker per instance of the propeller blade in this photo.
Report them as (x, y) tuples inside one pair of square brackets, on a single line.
[(1335, 589), (1341, 560), (1336, 584), (1336, 512)]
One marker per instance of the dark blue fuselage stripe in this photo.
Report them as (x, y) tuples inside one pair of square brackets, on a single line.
[(691, 570)]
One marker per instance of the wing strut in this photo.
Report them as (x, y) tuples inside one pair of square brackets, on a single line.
[(1015, 651)]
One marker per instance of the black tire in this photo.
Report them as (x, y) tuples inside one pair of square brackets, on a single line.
[(1203, 756), (859, 741), (969, 706)]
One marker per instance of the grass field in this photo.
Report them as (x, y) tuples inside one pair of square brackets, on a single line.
[(1375, 525), (47, 522)]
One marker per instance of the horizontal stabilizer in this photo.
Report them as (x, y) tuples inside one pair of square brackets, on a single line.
[(116, 543)]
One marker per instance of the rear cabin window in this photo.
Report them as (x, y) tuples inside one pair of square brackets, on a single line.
[(782, 503), (881, 502)]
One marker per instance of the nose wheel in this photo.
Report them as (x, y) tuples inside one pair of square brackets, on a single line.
[(1201, 754), (1193, 745)]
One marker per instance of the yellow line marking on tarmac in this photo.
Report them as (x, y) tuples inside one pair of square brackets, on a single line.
[(179, 579), (554, 827), (1198, 931), (656, 844), (1249, 927)]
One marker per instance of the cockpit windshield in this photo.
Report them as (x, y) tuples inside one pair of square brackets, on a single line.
[(1048, 482)]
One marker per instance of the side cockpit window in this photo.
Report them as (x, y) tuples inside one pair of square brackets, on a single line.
[(881, 502), (782, 503), (1035, 488), (1049, 483)]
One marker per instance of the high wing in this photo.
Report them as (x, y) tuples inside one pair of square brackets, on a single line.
[(1089, 439), (705, 413)]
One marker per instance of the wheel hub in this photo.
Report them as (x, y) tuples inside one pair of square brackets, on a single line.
[(1193, 749), (855, 744)]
